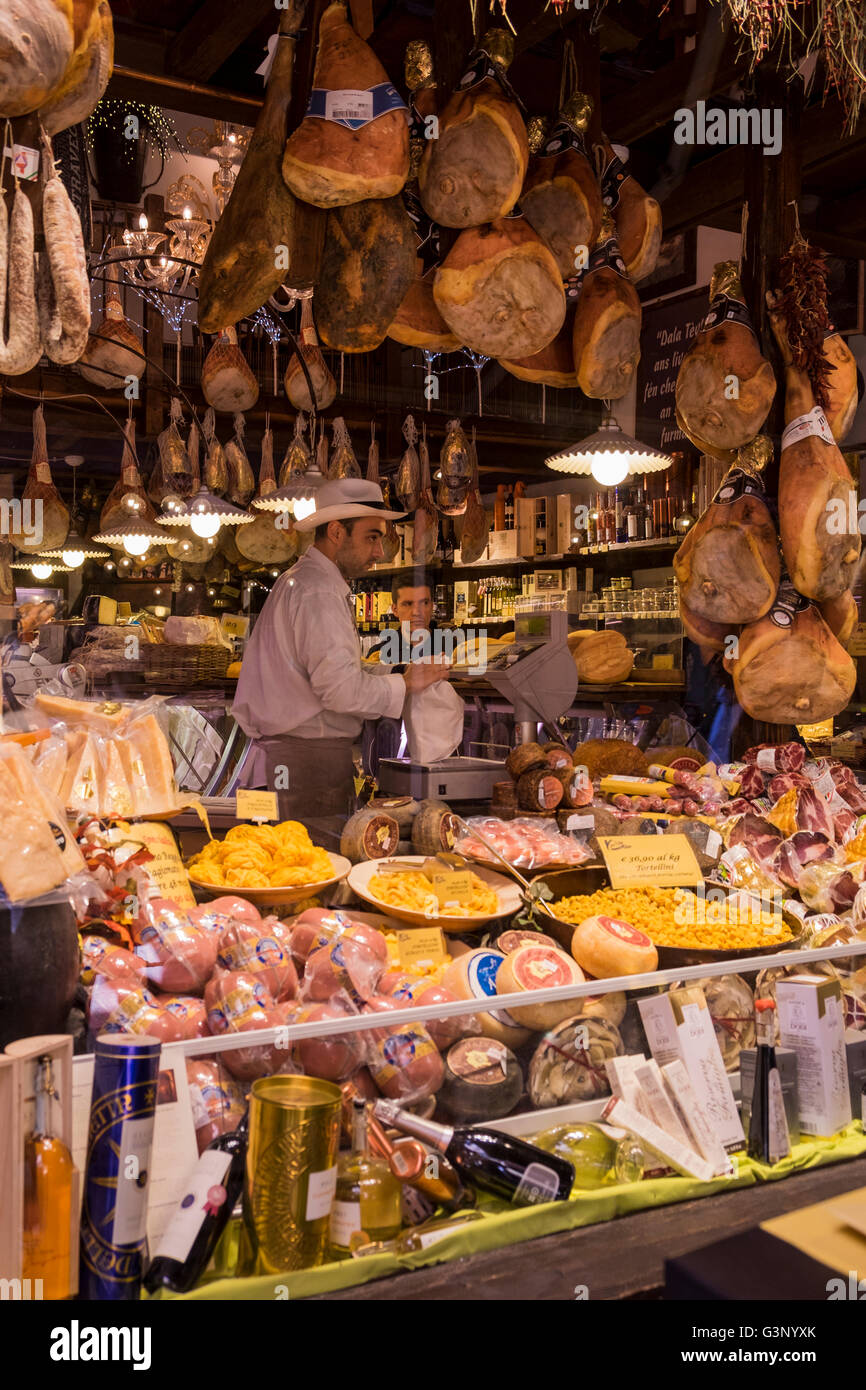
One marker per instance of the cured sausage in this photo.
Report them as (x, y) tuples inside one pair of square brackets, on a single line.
[(21, 350), (67, 292)]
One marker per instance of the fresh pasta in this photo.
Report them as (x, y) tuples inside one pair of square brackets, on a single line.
[(414, 891), (262, 856)]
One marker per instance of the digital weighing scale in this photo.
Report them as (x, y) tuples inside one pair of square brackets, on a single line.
[(536, 674)]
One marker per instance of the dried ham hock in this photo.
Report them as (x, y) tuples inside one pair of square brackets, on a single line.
[(818, 518), (725, 386), (499, 290), (474, 171), (789, 668), (638, 217), (353, 143), (561, 198), (368, 265), (728, 566), (606, 334)]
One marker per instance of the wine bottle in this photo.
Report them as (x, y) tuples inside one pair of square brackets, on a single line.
[(48, 1171), (508, 1167), (367, 1199), (769, 1141), (189, 1240)]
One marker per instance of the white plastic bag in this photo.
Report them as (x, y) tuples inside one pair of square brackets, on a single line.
[(434, 723)]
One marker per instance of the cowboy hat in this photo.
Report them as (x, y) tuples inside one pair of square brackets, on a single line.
[(343, 499)]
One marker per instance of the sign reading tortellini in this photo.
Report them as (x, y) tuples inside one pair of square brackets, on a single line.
[(633, 861)]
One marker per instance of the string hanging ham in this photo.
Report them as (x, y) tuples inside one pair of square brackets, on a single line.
[(637, 216), (561, 197), (728, 566), (226, 379), (606, 332), (175, 470), (343, 463), (269, 540), (353, 143), (40, 490), (725, 386), (499, 290), (114, 353), (474, 170), (295, 380), (456, 469), (216, 473), (297, 456), (474, 526), (242, 482), (408, 482), (425, 532), (241, 269), (368, 264), (129, 481), (817, 498)]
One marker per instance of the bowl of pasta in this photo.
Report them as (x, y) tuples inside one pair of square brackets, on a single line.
[(403, 889), (268, 864)]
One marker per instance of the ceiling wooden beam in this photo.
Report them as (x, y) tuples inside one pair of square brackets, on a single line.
[(655, 98), (212, 35), (190, 98)]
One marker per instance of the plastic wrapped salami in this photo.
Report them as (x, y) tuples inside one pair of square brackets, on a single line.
[(404, 1060), (119, 1006), (179, 956), (337, 1056), (189, 1014), (218, 1102), (524, 843), (101, 957), (215, 916), (239, 1002), (410, 993), (353, 963), (260, 951)]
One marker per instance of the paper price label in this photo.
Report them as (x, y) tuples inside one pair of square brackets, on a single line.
[(256, 805), (633, 861), (349, 105), (166, 867), (421, 944), (25, 161), (454, 887)]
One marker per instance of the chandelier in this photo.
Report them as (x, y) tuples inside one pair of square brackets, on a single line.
[(227, 144), (165, 261)]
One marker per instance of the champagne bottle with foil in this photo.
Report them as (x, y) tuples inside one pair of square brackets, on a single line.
[(367, 1200), (119, 1140), (214, 1186), (48, 1181), (769, 1141), (502, 1164)]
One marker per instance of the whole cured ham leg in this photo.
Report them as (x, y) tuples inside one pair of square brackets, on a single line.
[(842, 397), (606, 335), (728, 566), (789, 668), (638, 217), (241, 268), (818, 517), (840, 614), (353, 143), (561, 198), (725, 385), (474, 171)]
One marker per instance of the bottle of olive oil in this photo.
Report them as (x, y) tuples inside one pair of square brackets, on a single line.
[(769, 1141), (48, 1175), (367, 1201)]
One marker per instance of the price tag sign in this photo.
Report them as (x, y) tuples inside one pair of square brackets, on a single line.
[(633, 861), (256, 805), (857, 641), (456, 887), (421, 944)]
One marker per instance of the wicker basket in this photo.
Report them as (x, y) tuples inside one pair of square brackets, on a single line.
[(184, 666), (111, 650)]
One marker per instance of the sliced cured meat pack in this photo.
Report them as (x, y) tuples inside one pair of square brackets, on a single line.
[(776, 757), (353, 143), (789, 668), (474, 171), (817, 496), (561, 198), (606, 333), (499, 290), (240, 270), (728, 566), (638, 217), (725, 386), (368, 265)]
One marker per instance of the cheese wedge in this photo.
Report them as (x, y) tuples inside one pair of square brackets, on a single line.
[(149, 770), (37, 799), (30, 861), (103, 716), (119, 800), (84, 783)]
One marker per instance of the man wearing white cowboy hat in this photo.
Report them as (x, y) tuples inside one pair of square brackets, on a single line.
[(302, 693)]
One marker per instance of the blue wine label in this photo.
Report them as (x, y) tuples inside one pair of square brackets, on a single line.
[(120, 1134)]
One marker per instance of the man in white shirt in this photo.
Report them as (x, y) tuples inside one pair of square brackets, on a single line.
[(302, 693)]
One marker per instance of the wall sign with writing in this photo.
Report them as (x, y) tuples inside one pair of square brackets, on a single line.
[(669, 330)]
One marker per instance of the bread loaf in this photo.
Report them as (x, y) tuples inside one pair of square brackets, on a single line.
[(604, 659)]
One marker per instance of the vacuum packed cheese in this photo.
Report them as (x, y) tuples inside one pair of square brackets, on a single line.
[(483, 1080)]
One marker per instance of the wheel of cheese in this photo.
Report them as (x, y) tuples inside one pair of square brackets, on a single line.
[(515, 938), (604, 947), (434, 828), (483, 1080), (473, 976), (610, 1006), (369, 834), (525, 757), (539, 967), (403, 809)]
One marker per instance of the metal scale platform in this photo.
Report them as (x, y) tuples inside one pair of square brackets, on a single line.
[(536, 674)]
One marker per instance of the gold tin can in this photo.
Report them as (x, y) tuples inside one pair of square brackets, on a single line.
[(291, 1174)]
